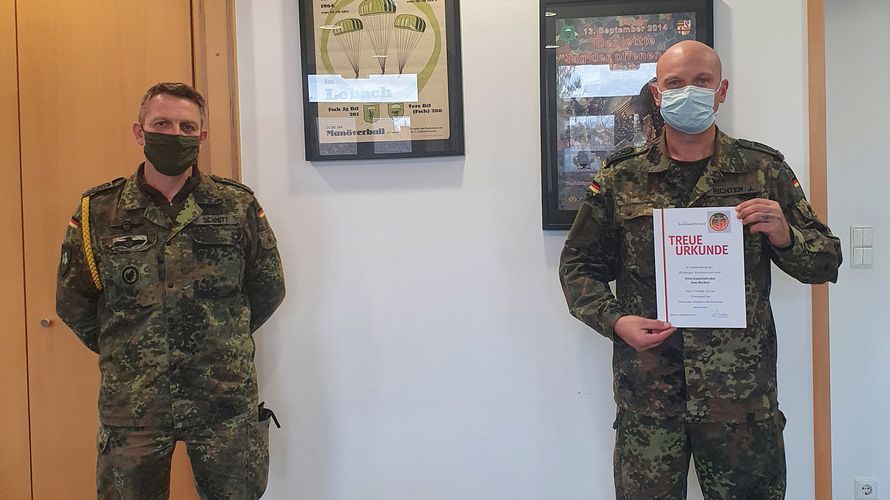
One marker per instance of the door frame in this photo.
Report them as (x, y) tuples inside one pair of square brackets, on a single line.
[(818, 175)]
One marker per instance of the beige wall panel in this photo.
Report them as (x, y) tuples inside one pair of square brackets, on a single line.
[(15, 460), (216, 79)]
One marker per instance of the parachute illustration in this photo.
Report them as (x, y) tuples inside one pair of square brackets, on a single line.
[(409, 30), (349, 33), (378, 15)]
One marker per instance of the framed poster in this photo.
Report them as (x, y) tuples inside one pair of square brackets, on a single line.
[(381, 79), (597, 61)]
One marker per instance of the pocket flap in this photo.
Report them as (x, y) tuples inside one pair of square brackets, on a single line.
[(805, 210), (216, 236), (635, 210), (267, 239)]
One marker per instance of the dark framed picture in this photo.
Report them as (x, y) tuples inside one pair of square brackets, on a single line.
[(381, 79), (597, 60)]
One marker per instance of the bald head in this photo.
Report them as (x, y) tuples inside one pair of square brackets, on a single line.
[(690, 62), (689, 53)]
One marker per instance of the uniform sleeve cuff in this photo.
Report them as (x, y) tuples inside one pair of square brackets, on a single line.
[(609, 320), (796, 239)]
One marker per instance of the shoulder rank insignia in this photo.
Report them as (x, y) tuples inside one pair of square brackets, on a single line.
[(623, 154), (231, 182), (104, 187), (763, 148)]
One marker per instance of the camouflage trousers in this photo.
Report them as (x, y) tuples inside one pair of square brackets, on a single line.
[(230, 460), (733, 461)]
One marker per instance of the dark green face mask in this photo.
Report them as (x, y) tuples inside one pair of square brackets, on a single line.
[(171, 154)]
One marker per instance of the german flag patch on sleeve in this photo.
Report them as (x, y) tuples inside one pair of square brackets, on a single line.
[(594, 187)]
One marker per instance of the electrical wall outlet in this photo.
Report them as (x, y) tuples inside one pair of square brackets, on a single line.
[(866, 488)]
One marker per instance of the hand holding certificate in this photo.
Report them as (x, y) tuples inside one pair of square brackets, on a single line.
[(700, 267)]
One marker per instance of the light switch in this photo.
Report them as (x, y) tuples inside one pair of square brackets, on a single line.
[(868, 257), (857, 257), (861, 246), (857, 237)]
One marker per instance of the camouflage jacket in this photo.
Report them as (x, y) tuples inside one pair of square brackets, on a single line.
[(180, 300), (699, 374)]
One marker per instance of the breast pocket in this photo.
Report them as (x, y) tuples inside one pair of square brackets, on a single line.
[(638, 254), (219, 260), (129, 271)]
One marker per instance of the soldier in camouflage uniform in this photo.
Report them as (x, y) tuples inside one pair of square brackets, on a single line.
[(709, 393), (166, 275)]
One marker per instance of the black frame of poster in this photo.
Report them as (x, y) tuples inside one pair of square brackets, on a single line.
[(453, 146), (555, 217)]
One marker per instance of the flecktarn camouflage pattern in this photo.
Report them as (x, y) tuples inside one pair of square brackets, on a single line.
[(229, 460), (179, 303), (733, 460), (720, 376), (702, 374)]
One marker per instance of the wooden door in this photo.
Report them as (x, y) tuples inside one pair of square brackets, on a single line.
[(15, 471), (83, 68)]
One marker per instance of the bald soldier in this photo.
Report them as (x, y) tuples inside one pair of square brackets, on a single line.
[(166, 275), (710, 393)]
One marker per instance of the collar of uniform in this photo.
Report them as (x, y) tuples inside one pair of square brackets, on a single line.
[(132, 197), (135, 197), (726, 155), (157, 197), (206, 193), (725, 159)]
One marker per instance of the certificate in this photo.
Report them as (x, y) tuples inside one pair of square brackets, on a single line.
[(700, 267)]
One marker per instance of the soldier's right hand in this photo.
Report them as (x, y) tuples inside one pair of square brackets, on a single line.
[(641, 333)]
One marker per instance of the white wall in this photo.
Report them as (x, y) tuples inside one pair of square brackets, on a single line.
[(858, 69), (424, 350)]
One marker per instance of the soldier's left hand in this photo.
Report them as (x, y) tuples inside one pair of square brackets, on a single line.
[(766, 216)]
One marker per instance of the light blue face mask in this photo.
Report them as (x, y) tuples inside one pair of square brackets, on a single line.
[(690, 109)]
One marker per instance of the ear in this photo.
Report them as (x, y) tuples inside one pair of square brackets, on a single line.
[(655, 94), (722, 90), (203, 136), (139, 134)]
